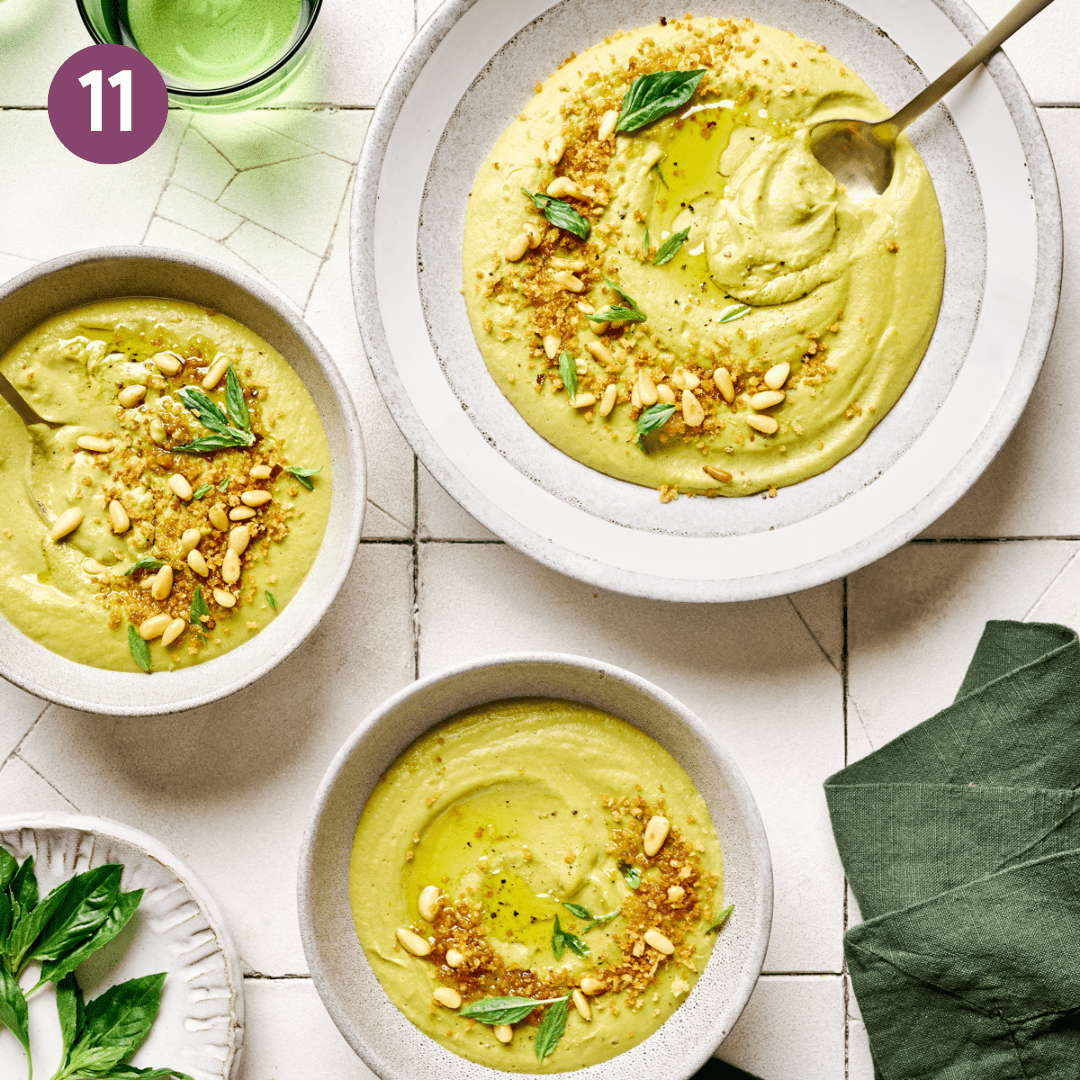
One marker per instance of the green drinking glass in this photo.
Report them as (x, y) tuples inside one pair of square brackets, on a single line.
[(215, 55)]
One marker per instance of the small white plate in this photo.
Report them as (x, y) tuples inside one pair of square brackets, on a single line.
[(177, 928), (466, 76)]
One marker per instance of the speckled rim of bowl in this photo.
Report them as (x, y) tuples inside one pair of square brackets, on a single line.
[(891, 507), (153, 849), (103, 273), (387, 1042)]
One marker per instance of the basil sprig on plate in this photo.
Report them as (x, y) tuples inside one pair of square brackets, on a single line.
[(655, 416), (561, 940), (560, 213), (670, 247), (209, 414), (655, 95), (628, 313), (568, 373)]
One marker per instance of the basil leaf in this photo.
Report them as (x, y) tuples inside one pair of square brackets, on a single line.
[(601, 919), (579, 911), (199, 608), (145, 562), (568, 373), (670, 247), (13, 1012), (720, 919), (140, 651), (201, 490), (618, 314), (735, 311), (205, 409), (655, 95), (6, 918), (631, 305), (561, 214), (117, 919), (645, 243), (551, 1028), (89, 899), (24, 888), (303, 474), (630, 872), (502, 1010), (29, 925), (271, 599), (234, 401), (209, 443), (561, 940), (9, 866), (69, 1008), (129, 1072), (653, 417), (117, 1022), (224, 485), (211, 416)]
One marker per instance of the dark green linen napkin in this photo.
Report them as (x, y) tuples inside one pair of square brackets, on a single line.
[(961, 841)]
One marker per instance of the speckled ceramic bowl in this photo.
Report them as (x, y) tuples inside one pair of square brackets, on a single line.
[(388, 1043), (102, 273)]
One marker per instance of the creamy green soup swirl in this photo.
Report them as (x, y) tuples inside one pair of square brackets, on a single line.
[(776, 334)]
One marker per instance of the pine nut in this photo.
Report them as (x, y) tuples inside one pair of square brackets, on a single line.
[(180, 486), (254, 497), (655, 834), (168, 363), (130, 396), (562, 186), (225, 599), (516, 248), (675, 893), (591, 986), (448, 997), (551, 345), (414, 943), (154, 627), (92, 442), (607, 125), (718, 474), (583, 401), (197, 562), (607, 403), (556, 149), (157, 430), (665, 394), (600, 352), (260, 472), (600, 327), (533, 232), (230, 567), (239, 538), (162, 585), (189, 541), (504, 1033), (173, 631), (66, 523), (777, 375), (635, 400), (646, 388), (567, 280), (218, 518), (693, 413), (216, 372), (241, 513), (721, 377), (429, 903), (767, 399), (93, 567), (119, 521), (454, 958), (657, 940), (146, 583), (581, 1003), (685, 380), (577, 265), (586, 308), (765, 424)]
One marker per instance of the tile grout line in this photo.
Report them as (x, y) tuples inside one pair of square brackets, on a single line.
[(41, 776), (164, 186), (1056, 578)]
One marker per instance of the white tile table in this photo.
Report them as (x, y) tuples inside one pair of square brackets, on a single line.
[(794, 686)]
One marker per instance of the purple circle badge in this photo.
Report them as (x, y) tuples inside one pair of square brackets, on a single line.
[(108, 104)]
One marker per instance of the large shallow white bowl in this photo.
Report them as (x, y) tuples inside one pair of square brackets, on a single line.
[(389, 1043), (102, 273), (466, 76), (177, 929)]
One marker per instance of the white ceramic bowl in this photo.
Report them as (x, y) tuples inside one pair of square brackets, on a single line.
[(389, 1043), (102, 273)]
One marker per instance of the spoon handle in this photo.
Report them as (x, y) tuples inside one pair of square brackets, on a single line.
[(18, 403), (1025, 10)]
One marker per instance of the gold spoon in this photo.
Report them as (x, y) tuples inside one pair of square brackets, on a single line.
[(31, 419), (861, 154)]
